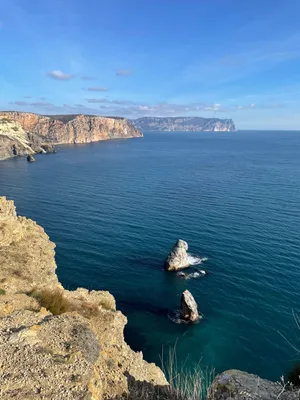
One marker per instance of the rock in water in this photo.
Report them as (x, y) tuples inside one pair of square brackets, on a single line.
[(188, 307), (30, 159), (177, 258)]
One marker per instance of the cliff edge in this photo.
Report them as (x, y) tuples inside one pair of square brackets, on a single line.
[(23, 133), (57, 344)]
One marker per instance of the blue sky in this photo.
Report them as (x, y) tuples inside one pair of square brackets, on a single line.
[(235, 59)]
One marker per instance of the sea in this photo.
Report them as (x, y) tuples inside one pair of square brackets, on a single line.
[(116, 208)]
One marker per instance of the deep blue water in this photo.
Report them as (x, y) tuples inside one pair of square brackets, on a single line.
[(115, 209)]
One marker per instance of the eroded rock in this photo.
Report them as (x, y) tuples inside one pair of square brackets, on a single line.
[(178, 257), (188, 307), (239, 385)]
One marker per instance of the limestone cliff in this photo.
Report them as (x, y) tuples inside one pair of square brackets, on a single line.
[(14, 140), (57, 344), (59, 129)]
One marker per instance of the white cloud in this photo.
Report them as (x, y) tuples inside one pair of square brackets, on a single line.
[(59, 75)]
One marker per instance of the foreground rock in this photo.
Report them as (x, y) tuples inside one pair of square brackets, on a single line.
[(28, 133), (57, 344), (238, 385), (188, 307), (178, 258)]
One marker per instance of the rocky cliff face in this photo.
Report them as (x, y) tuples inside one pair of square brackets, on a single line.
[(57, 343), (186, 124), (38, 130)]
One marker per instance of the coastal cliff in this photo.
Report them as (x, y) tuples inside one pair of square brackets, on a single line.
[(184, 124), (57, 344), (23, 133)]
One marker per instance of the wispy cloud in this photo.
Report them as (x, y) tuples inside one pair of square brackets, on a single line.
[(19, 103), (33, 104), (41, 104), (27, 97), (130, 108), (96, 89), (245, 60), (88, 78), (245, 106), (123, 72), (59, 75)]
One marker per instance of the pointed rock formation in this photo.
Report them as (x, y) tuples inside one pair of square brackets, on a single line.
[(177, 258), (188, 307)]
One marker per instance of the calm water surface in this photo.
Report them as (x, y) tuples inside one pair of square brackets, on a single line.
[(115, 208)]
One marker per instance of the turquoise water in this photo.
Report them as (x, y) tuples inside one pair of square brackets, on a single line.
[(115, 209)]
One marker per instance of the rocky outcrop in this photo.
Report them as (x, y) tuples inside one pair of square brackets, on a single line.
[(39, 131), (177, 258), (15, 141), (238, 385), (184, 124), (30, 159), (57, 343), (188, 307)]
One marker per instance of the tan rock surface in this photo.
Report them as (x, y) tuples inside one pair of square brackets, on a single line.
[(27, 255), (38, 130), (80, 354)]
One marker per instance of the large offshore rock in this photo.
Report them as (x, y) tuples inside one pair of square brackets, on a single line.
[(239, 385), (188, 307), (177, 258)]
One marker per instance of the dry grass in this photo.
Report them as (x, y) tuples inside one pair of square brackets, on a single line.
[(186, 383), (86, 309), (53, 300)]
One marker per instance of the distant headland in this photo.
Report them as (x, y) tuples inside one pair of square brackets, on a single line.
[(188, 124), (23, 133)]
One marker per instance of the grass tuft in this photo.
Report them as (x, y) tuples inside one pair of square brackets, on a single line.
[(186, 383), (2, 292), (53, 300)]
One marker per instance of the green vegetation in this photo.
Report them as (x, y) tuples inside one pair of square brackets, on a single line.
[(53, 300), (2, 292), (15, 128)]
